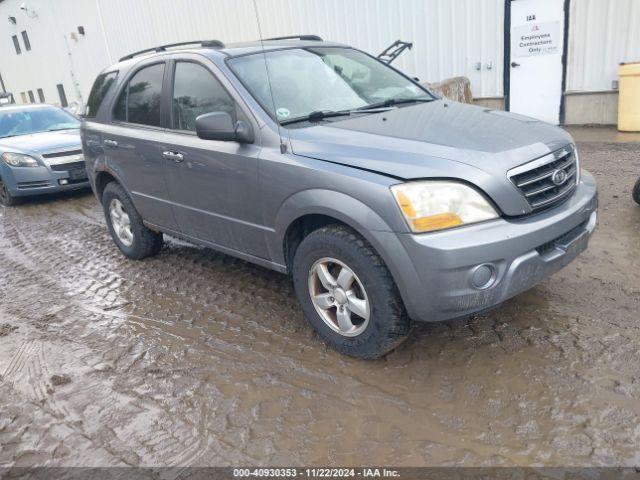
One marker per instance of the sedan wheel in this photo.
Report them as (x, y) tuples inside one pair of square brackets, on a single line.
[(6, 198)]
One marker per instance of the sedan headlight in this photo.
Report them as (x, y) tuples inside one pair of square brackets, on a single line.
[(436, 205), (19, 160)]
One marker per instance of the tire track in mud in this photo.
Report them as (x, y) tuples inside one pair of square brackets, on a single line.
[(95, 295), (88, 293)]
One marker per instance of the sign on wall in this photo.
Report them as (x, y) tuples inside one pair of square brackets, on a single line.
[(537, 44), (543, 38)]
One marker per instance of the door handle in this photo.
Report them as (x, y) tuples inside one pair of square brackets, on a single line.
[(175, 156), (514, 64), (110, 143)]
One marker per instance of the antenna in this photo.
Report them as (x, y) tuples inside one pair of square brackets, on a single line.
[(283, 146)]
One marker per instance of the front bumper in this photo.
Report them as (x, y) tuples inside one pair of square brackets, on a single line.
[(463, 271), (27, 181)]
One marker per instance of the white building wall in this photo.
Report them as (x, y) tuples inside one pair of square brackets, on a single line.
[(602, 34), (45, 65), (450, 36)]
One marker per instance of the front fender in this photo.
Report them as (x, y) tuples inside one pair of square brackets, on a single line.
[(356, 215), (331, 203)]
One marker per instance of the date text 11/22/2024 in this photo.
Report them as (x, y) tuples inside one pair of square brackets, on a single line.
[(315, 473)]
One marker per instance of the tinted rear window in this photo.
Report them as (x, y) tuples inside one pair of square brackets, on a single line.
[(139, 101), (100, 88)]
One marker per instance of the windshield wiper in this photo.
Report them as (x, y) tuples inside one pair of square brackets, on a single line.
[(372, 108), (316, 116), (391, 102)]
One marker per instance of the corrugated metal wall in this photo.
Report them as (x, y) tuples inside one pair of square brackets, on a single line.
[(450, 36), (602, 33)]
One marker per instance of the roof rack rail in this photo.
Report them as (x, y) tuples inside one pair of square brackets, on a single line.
[(162, 48), (314, 38)]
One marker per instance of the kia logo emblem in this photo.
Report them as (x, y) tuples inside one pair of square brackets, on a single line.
[(559, 177)]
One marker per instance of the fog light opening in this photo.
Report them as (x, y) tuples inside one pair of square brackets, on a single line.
[(483, 276), (64, 181)]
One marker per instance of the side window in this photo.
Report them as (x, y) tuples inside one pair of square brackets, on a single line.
[(62, 95), (99, 90), (195, 92), (25, 39), (139, 102), (16, 44)]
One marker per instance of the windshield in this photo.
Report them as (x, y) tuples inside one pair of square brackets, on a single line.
[(35, 120), (321, 79)]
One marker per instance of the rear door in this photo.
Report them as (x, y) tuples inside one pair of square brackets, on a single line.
[(132, 143), (213, 184)]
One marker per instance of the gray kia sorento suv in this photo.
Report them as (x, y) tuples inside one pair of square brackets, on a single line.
[(385, 203)]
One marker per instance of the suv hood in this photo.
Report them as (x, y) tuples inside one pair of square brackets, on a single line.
[(43, 142), (439, 139)]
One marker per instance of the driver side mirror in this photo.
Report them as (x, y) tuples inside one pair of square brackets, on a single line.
[(220, 126)]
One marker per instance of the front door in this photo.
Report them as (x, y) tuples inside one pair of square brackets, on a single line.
[(537, 40), (213, 184)]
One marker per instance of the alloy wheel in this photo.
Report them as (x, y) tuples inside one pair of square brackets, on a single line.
[(339, 297), (121, 222)]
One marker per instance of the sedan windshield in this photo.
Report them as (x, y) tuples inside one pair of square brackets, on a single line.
[(308, 81), (15, 122)]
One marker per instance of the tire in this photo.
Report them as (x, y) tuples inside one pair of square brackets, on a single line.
[(6, 199), (387, 324), (636, 192), (143, 241)]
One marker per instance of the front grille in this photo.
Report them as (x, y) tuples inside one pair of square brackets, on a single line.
[(539, 181), (62, 154), (63, 167), (28, 185)]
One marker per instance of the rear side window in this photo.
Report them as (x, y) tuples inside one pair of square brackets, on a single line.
[(196, 92), (139, 101), (100, 88)]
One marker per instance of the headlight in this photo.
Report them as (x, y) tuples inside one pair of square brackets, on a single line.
[(436, 205), (19, 160)]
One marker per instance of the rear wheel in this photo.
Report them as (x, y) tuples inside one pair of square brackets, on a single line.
[(125, 225), (6, 198), (636, 192), (348, 294)]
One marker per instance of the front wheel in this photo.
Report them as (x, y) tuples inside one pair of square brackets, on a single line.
[(636, 192), (6, 199), (347, 293), (125, 224)]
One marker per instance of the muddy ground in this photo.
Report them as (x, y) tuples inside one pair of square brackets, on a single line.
[(194, 358)]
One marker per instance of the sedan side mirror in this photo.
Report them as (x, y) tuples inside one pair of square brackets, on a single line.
[(220, 126)]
